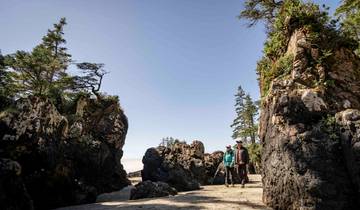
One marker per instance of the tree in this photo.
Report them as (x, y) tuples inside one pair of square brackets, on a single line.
[(7, 85), (349, 14), (244, 124), (92, 79), (260, 10), (43, 71), (44, 68), (238, 123), (170, 141), (249, 115)]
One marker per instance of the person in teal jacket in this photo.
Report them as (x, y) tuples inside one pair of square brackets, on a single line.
[(229, 162)]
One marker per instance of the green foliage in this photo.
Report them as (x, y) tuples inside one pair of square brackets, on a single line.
[(269, 70), (43, 72), (7, 86), (254, 150), (44, 68), (245, 125), (349, 14), (329, 83), (257, 10), (293, 14), (93, 74), (329, 126), (283, 18)]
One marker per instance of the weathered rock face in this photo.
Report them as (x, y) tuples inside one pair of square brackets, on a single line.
[(65, 159), (149, 189), (310, 158), (182, 166)]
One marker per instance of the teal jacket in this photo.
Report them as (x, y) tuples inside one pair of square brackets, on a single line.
[(229, 158)]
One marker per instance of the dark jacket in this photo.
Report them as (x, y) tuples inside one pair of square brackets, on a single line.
[(244, 156)]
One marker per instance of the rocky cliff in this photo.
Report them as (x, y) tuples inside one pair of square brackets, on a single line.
[(51, 159), (309, 125)]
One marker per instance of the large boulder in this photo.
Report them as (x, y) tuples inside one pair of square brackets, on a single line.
[(149, 189), (214, 171), (181, 165), (309, 127), (66, 158)]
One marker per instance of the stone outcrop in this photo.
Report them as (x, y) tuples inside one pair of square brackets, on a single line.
[(149, 189), (309, 128), (181, 165), (64, 158)]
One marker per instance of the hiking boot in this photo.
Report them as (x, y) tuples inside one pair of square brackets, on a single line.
[(226, 185)]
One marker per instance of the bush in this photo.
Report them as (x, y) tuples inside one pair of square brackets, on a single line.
[(268, 70)]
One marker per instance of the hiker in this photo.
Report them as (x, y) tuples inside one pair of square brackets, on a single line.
[(241, 160), (229, 166)]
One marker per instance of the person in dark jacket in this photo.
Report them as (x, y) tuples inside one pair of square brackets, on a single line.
[(228, 160), (241, 160)]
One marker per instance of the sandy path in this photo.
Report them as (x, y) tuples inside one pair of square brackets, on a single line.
[(209, 197)]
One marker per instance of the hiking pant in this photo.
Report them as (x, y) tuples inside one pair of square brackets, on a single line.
[(242, 173), (229, 175)]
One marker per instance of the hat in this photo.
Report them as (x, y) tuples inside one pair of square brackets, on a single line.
[(239, 142), (228, 146)]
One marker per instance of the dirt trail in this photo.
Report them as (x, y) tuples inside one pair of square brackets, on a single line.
[(209, 197)]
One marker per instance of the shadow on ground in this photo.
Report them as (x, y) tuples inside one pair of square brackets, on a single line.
[(195, 198), (104, 206)]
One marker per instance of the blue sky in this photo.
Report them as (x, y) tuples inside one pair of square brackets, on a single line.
[(175, 64)]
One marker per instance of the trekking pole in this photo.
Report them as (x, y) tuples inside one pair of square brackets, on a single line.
[(217, 171)]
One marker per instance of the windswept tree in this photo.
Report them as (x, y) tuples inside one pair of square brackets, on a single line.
[(244, 124), (349, 14), (260, 10), (93, 74)]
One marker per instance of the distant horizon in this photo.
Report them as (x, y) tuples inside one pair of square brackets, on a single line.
[(175, 65)]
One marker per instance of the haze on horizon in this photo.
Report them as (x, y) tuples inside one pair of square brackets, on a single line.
[(175, 65)]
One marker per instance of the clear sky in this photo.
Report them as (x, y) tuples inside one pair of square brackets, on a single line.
[(175, 64)]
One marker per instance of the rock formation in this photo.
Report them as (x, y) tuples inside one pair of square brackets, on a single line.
[(149, 189), (309, 127), (182, 166), (56, 159)]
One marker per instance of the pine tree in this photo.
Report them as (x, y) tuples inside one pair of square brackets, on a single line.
[(249, 115), (244, 124), (43, 69)]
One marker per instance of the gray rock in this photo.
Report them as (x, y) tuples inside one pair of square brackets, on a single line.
[(149, 189), (182, 166)]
